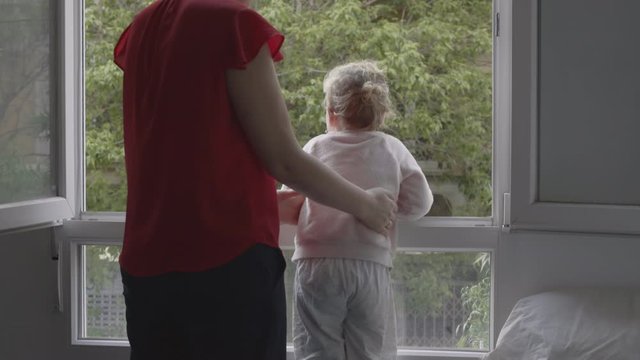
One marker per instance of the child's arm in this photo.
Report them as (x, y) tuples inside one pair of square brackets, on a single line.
[(289, 205), (415, 197)]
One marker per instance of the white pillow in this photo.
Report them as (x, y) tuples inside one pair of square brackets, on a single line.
[(572, 324)]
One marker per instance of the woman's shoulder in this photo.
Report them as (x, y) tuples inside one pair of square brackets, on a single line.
[(229, 9), (217, 4)]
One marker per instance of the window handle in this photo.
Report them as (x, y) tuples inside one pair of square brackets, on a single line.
[(56, 247), (506, 212)]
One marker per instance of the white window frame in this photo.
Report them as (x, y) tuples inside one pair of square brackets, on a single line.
[(527, 212), (78, 233), (438, 234), (51, 211)]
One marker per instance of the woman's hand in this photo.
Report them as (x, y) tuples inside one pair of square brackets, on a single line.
[(261, 111), (379, 213)]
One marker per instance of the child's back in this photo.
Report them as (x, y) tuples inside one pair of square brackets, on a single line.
[(368, 159)]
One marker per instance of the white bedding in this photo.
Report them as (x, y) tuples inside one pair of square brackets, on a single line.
[(572, 324)]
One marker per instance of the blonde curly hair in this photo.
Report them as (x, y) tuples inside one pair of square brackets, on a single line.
[(358, 94)]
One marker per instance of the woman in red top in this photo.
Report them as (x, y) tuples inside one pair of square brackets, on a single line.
[(206, 132)]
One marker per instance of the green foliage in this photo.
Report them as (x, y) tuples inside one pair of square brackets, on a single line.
[(475, 330), (102, 273), (106, 181), (430, 278), (437, 55), (106, 188), (102, 265)]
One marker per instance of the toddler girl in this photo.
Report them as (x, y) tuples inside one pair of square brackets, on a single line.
[(343, 300)]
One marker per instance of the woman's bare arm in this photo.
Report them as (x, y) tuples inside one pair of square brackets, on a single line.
[(257, 99)]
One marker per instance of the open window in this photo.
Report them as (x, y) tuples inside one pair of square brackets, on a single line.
[(440, 57), (576, 121), (36, 188)]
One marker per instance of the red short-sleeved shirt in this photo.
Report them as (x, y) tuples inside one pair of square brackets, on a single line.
[(198, 196)]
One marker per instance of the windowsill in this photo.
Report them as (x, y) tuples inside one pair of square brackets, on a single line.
[(107, 216), (427, 221), (403, 354), (436, 233)]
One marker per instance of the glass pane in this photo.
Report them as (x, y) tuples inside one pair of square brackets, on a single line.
[(438, 58), (103, 302), (442, 298), (437, 55), (106, 187), (26, 113), (588, 126)]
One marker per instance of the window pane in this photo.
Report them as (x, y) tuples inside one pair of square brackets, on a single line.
[(106, 187), (588, 103), (26, 113), (437, 55), (102, 300), (442, 299), (438, 58)]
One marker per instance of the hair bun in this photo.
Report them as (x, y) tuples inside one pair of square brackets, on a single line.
[(359, 94)]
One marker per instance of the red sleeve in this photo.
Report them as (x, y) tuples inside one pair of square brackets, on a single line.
[(250, 32), (119, 51)]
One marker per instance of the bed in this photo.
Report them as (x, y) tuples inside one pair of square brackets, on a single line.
[(572, 324)]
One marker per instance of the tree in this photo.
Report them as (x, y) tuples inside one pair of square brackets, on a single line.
[(474, 330), (106, 178), (104, 158), (437, 55)]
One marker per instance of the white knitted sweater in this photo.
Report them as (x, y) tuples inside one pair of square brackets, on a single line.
[(368, 159)]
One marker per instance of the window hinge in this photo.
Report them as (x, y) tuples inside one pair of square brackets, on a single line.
[(506, 211), (497, 24)]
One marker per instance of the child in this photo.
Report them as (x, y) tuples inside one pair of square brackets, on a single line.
[(343, 301)]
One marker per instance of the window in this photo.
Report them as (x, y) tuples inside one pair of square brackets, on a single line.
[(31, 189), (105, 180), (576, 167), (435, 295), (439, 57)]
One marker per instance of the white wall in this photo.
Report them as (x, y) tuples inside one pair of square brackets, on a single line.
[(30, 327), (532, 262)]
